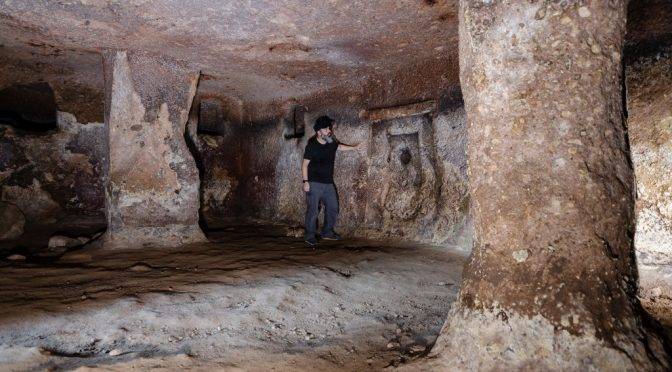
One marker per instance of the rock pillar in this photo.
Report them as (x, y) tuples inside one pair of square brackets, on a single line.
[(152, 184), (551, 281), (649, 82)]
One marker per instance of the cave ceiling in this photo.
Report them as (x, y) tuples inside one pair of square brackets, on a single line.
[(361, 53), (371, 52)]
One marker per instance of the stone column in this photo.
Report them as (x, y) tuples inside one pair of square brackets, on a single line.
[(551, 281), (649, 84), (152, 184)]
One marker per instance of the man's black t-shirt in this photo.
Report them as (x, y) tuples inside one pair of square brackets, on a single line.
[(321, 166)]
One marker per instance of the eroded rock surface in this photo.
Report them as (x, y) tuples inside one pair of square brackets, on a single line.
[(370, 52), (152, 191), (254, 300), (408, 180), (54, 179), (549, 176), (649, 82), (12, 221), (552, 281)]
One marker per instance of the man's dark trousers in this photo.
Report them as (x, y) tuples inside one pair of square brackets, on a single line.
[(325, 192)]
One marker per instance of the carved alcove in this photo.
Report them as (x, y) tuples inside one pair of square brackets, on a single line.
[(401, 161)]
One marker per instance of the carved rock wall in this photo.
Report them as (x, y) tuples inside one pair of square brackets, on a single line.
[(407, 182), (53, 179)]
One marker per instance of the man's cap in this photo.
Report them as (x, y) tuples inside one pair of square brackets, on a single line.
[(322, 122)]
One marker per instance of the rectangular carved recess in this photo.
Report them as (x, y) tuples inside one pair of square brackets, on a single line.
[(299, 115), (395, 112), (210, 117), (295, 123)]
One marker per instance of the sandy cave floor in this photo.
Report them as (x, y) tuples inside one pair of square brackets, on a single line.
[(252, 300)]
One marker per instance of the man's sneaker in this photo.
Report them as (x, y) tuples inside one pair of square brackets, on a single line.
[(332, 236), (311, 242)]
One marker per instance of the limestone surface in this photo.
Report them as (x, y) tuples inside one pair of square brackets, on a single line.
[(649, 82), (54, 179), (408, 181), (139, 125), (241, 302), (12, 221), (152, 191), (552, 194), (261, 52)]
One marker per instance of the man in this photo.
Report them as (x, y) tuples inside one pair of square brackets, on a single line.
[(318, 179)]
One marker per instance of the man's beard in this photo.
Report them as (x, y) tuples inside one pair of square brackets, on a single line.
[(328, 138)]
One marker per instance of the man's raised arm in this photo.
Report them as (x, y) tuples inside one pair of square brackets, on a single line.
[(345, 147)]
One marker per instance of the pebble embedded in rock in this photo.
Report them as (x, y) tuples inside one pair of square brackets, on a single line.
[(140, 268), (417, 349), (114, 352), (520, 255), (584, 12), (59, 241)]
